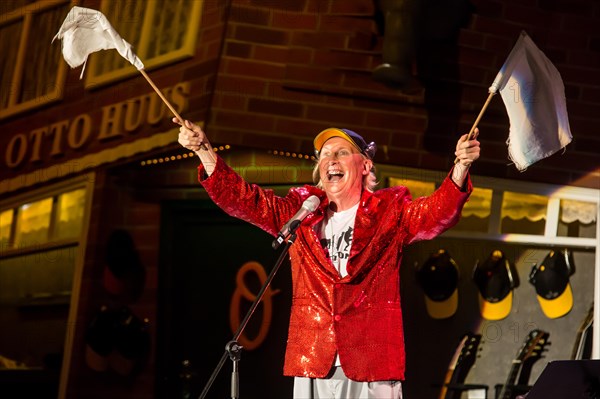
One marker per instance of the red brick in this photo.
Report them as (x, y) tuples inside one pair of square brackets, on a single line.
[(299, 55), (320, 75), (249, 15), (584, 58), (345, 59), (358, 7), (291, 5), (319, 40), (398, 156), (336, 23), (237, 49), (255, 69), (271, 142), (299, 128), (271, 53), (318, 6), (284, 108), (468, 38), (241, 86), (525, 14), (244, 121), (479, 58), (492, 9), (408, 141), (295, 21), (286, 93), (581, 7), (561, 39), (498, 27), (396, 120), (339, 115), (209, 35), (261, 35), (584, 127), (231, 102)]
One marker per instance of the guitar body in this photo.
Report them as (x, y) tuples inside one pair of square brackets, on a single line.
[(462, 361)]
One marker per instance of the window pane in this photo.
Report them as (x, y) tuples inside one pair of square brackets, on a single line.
[(69, 214), (577, 219), (6, 220), (476, 212), (9, 35), (170, 25), (127, 17), (41, 80), (523, 213), (40, 281), (33, 223)]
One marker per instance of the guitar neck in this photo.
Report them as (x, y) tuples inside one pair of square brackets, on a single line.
[(453, 377), (460, 365), (507, 391), (578, 352), (521, 366)]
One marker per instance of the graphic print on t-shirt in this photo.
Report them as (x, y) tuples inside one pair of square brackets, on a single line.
[(342, 241)]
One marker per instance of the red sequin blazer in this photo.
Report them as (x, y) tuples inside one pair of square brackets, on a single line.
[(358, 316)]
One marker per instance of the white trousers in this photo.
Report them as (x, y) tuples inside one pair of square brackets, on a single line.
[(338, 386)]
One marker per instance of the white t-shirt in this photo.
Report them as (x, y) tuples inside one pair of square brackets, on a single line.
[(336, 237)]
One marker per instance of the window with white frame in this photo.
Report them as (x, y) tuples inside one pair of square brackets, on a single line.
[(515, 211)]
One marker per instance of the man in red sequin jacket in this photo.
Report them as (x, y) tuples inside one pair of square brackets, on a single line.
[(345, 335)]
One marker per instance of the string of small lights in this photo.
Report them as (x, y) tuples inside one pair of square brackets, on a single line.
[(179, 157), (292, 154)]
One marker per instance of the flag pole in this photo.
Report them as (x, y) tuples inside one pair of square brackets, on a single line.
[(162, 96), (487, 102), (167, 103)]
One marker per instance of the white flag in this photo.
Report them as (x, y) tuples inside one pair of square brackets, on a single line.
[(534, 96), (86, 31)]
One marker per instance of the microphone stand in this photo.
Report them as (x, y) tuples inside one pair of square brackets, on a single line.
[(232, 348)]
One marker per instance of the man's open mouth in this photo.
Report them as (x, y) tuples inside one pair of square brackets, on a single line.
[(334, 175)]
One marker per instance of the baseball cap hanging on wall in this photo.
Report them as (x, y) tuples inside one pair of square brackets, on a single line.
[(124, 274), (495, 282), (551, 282), (438, 276)]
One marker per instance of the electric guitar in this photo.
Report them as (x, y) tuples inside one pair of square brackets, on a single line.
[(462, 361), (521, 367), (582, 346)]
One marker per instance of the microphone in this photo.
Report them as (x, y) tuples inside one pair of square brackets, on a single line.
[(308, 207)]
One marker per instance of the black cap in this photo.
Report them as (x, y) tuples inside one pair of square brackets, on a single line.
[(551, 282), (438, 276), (494, 280)]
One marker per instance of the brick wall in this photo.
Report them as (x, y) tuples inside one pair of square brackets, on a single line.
[(290, 69)]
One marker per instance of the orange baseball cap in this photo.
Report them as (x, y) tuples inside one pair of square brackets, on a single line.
[(352, 137)]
